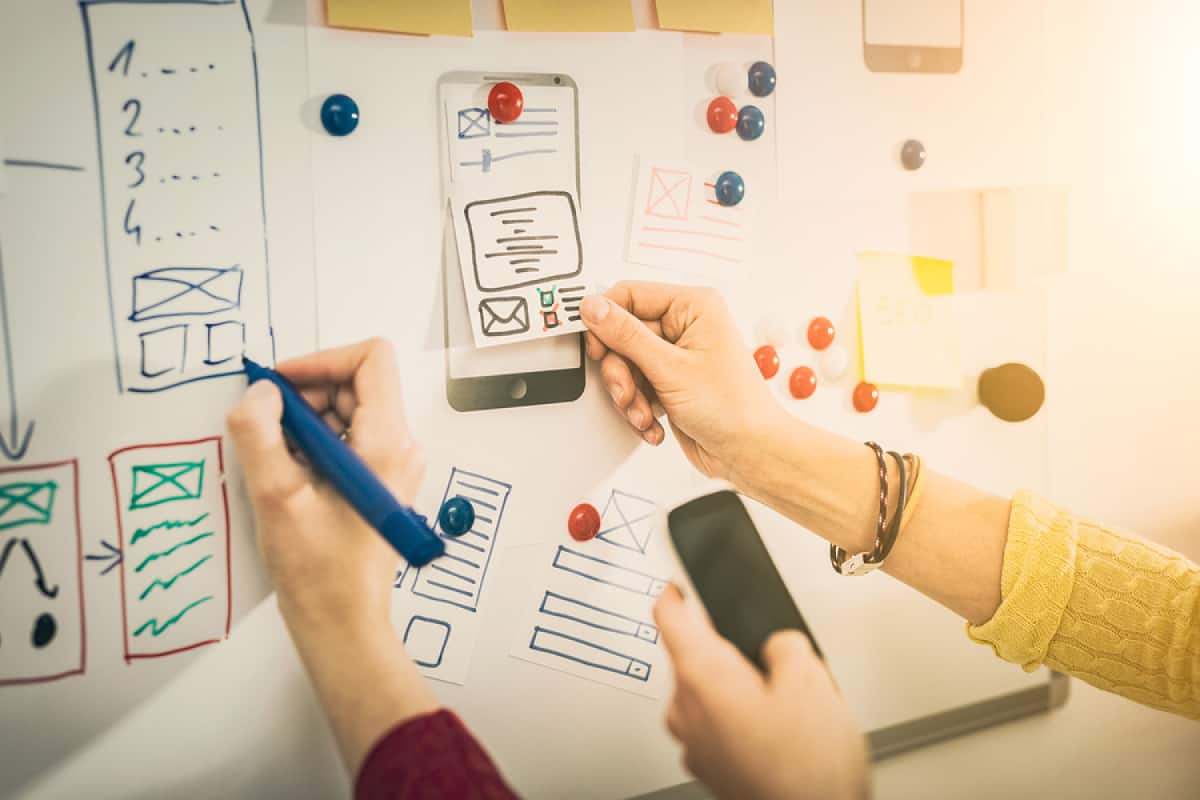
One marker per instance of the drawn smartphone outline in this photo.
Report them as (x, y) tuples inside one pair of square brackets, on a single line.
[(936, 54), (730, 571), (511, 385)]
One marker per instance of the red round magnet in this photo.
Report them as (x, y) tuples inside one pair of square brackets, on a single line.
[(505, 102), (722, 115), (866, 397), (767, 360), (802, 383), (584, 522), (820, 333)]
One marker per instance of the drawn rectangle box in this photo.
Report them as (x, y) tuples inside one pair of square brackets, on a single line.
[(558, 605), (608, 572), (176, 96), (457, 577), (43, 626), (588, 653), (173, 533)]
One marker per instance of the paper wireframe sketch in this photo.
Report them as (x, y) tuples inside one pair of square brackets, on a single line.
[(677, 222), (522, 262), (592, 615), (438, 605), (909, 333)]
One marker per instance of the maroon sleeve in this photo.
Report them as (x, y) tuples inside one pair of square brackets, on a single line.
[(430, 756)]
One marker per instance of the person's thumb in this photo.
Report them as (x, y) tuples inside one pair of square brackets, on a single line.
[(626, 335), (788, 656), (271, 474)]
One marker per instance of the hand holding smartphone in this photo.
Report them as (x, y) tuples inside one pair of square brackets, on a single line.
[(732, 573)]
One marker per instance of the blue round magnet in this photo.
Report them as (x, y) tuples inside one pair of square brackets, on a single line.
[(751, 123), (339, 114), (456, 516), (730, 188), (761, 78)]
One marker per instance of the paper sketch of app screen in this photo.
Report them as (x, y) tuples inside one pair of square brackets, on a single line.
[(42, 630), (523, 248), (173, 527)]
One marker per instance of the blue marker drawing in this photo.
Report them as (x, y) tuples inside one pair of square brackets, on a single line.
[(23, 162), (474, 123), (113, 556), (164, 350), (15, 441), (425, 639), (486, 159), (627, 520), (588, 654), (602, 571), (559, 605), (184, 216), (457, 577)]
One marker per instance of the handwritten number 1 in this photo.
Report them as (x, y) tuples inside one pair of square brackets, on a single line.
[(124, 54), (137, 112), (140, 158), (133, 230)]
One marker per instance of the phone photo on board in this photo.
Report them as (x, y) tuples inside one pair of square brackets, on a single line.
[(913, 35)]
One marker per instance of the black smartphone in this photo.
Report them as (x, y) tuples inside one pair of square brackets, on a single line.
[(733, 574)]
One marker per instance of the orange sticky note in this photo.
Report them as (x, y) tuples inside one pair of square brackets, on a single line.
[(446, 17), (568, 15), (717, 16)]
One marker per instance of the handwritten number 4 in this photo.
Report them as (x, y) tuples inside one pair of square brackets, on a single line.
[(133, 230)]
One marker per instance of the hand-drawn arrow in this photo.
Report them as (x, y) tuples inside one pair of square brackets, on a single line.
[(114, 554), (15, 443)]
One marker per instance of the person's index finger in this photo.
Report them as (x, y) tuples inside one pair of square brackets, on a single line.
[(370, 366), (645, 300), (682, 629)]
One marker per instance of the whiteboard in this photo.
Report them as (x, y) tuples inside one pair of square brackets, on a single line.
[(367, 215)]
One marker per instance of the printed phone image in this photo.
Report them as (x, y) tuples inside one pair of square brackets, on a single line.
[(733, 574)]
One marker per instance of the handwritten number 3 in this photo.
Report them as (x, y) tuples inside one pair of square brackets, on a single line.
[(137, 112), (140, 158)]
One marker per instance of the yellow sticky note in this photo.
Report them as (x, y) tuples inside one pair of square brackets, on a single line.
[(447, 17), (717, 16), (568, 15), (908, 332)]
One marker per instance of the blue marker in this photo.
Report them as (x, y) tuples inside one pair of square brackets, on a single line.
[(403, 528)]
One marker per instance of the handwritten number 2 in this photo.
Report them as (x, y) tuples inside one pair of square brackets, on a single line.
[(133, 230), (136, 105), (140, 158)]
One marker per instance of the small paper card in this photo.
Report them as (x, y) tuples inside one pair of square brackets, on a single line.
[(522, 264)]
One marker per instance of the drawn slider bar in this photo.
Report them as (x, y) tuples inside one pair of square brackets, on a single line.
[(601, 571), (588, 654)]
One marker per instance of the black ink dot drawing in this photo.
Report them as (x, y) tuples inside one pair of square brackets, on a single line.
[(183, 206)]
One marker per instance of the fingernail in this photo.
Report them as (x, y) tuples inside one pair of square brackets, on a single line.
[(617, 393), (653, 436), (594, 308), (637, 418)]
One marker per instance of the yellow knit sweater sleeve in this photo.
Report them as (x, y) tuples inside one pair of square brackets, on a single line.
[(1109, 608)]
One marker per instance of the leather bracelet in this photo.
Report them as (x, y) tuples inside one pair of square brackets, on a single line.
[(867, 561)]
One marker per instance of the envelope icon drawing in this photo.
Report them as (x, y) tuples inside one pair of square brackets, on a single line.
[(186, 292), (670, 193), (26, 503), (503, 316), (627, 521), (474, 123), (155, 484)]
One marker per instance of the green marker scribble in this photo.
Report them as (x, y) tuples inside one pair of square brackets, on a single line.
[(26, 503), (157, 630), (167, 584), (170, 550), (155, 484), (170, 524)]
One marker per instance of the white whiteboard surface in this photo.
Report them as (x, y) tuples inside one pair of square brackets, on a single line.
[(242, 711)]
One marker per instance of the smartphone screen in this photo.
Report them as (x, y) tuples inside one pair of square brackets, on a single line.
[(733, 573), (919, 23)]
